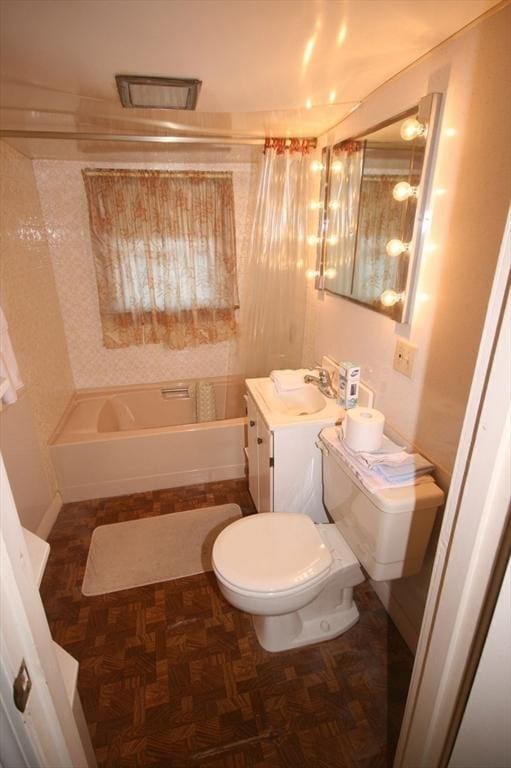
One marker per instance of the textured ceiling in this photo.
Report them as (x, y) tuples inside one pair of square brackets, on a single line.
[(269, 67)]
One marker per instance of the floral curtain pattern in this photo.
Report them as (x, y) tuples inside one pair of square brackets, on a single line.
[(273, 320), (380, 219), (165, 256), (346, 166)]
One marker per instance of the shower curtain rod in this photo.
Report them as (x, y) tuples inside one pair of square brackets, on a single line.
[(137, 138)]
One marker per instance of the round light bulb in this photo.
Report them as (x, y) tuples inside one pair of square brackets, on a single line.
[(334, 205), (310, 274), (390, 297), (330, 273), (411, 128), (396, 247), (313, 239), (317, 166), (316, 205), (337, 166), (332, 240), (403, 190)]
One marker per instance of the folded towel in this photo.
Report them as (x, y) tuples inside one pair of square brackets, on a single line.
[(372, 480), (288, 380), (415, 467), (388, 453)]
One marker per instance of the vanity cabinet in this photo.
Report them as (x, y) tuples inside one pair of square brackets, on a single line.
[(260, 458), (284, 464)]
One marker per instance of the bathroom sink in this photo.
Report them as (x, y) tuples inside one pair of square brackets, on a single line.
[(294, 402)]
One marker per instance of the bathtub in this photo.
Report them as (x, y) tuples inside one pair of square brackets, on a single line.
[(142, 438)]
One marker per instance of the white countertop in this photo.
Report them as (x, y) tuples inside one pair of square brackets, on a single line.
[(277, 416)]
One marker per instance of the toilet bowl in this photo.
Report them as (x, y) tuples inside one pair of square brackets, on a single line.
[(294, 577)]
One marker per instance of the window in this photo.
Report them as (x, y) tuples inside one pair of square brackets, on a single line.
[(165, 256)]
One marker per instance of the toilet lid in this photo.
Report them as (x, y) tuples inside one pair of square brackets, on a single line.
[(271, 552)]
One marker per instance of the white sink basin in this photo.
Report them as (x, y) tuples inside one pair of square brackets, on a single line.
[(295, 402)]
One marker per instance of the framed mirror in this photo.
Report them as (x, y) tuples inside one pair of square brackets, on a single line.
[(376, 188)]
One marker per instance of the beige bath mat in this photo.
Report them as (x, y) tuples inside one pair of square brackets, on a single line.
[(153, 549)]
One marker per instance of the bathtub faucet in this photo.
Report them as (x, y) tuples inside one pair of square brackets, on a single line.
[(323, 382)]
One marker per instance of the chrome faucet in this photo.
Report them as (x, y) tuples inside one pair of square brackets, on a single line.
[(323, 381)]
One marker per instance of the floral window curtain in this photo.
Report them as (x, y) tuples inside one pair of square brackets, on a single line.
[(345, 178), (380, 215), (165, 256)]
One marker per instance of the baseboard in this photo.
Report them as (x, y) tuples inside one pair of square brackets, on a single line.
[(109, 488), (49, 517), (407, 630)]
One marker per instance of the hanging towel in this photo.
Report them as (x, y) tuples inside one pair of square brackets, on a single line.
[(10, 379), (206, 404), (288, 380)]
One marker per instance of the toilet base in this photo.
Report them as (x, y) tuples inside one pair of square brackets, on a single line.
[(306, 626)]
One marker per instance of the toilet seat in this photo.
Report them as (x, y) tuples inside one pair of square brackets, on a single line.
[(273, 553)]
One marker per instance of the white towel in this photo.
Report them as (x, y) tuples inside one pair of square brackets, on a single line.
[(287, 380), (372, 480), (8, 365)]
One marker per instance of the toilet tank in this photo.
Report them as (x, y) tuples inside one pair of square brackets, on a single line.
[(388, 531)]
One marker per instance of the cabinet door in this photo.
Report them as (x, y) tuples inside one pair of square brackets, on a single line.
[(265, 461), (253, 471)]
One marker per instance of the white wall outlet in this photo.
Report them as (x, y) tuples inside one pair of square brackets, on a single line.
[(404, 357)]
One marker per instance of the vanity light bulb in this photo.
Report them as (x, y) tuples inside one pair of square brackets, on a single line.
[(337, 166), (317, 166), (403, 190), (334, 205), (411, 129), (313, 239), (310, 274), (389, 298), (316, 205), (396, 247), (330, 273), (332, 240)]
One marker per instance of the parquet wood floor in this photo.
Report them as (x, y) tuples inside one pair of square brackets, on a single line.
[(171, 676)]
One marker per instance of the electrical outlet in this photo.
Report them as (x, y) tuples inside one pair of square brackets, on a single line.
[(404, 357)]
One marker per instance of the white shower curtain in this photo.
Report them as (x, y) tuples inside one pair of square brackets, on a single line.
[(273, 313)]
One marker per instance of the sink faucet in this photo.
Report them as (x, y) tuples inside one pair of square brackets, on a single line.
[(323, 382)]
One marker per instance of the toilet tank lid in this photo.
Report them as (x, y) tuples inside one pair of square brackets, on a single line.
[(271, 552), (425, 494)]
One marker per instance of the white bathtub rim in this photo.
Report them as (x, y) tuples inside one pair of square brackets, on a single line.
[(59, 436), (91, 392), (93, 436)]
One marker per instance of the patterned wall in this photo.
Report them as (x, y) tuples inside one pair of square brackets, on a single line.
[(64, 208), (30, 301)]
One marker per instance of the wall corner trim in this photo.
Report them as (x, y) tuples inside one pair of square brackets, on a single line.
[(49, 517)]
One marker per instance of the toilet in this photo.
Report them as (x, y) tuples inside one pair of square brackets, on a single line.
[(296, 578)]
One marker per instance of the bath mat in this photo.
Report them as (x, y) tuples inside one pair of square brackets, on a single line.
[(154, 549)]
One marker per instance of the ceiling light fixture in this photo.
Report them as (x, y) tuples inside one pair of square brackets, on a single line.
[(158, 92)]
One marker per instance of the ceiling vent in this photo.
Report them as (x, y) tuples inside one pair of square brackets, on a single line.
[(158, 92)]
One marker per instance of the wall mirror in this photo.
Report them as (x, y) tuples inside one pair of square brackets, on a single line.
[(374, 201)]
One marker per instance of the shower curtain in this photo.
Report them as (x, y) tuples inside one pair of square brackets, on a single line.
[(273, 318)]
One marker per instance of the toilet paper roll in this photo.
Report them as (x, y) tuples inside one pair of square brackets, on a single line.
[(363, 429)]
